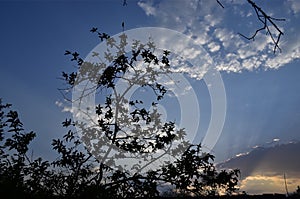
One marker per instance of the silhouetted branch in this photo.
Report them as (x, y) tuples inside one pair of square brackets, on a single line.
[(220, 3), (265, 20)]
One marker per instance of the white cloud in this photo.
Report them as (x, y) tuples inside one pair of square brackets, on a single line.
[(58, 103), (259, 184), (65, 108), (295, 6), (216, 30), (149, 9), (262, 169), (190, 53), (213, 47)]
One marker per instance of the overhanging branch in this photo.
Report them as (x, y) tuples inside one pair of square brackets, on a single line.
[(266, 21)]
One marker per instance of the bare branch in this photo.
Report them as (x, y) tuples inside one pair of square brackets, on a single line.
[(267, 21), (220, 3)]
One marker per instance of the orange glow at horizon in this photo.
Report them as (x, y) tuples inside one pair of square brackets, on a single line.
[(259, 184)]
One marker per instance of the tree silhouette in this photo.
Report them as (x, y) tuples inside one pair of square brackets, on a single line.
[(20, 175), (127, 127), (131, 128), (84, 166), (74, 174), (122, 124), (295, 194)]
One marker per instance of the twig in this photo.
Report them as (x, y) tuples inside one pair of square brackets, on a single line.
[(265, 19), (220, 3)]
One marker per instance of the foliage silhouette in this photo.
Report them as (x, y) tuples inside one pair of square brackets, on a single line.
[(126, 126), (78, 172), (295, 194), (73, 173)]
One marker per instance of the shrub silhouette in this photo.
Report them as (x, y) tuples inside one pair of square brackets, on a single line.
[(73, 173)]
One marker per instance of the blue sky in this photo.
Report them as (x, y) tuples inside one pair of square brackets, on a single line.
[(262, 88)]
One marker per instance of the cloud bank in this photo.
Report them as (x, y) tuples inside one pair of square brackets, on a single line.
[(263, 169)]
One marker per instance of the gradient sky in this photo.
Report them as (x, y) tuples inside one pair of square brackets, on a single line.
[(262, 88)]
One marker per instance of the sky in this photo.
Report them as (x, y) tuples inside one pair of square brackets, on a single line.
[(262, 88)]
